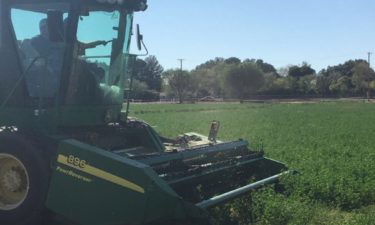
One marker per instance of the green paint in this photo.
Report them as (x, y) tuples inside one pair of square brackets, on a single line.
[(92, 185)]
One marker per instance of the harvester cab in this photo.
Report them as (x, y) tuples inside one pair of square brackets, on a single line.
[(68, 150)]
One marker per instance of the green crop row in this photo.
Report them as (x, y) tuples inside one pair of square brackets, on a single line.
[(332, 145)]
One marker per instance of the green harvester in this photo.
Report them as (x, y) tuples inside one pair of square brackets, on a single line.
[(69, 152)]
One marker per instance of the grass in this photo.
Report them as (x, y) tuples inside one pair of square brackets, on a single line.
[(332, 145)]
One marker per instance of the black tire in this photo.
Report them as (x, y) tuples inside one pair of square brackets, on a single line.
[(30, 211)]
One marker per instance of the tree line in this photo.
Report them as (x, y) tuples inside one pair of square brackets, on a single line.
[(244, 79)]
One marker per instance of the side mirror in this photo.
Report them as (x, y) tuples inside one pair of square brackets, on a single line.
[(139, 38), (55, 24)]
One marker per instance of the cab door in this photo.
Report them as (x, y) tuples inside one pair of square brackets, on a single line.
[(12, 91)]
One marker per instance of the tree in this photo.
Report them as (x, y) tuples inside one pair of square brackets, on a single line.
[(233, 60), (331, 77), (208, 81), (284, 71), (273, 84), (341, 86), (300, 71), (265, 67), (345, 69), (180, 83), (149, 71), (138, 86), (363, 76), (243, 79), (322, 85), (210, 63), (306, 84), (292, 85), (139, 68)]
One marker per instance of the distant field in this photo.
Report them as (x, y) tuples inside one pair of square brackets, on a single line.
[(331, 144)]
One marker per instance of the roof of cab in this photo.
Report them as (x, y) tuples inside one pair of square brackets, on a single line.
[(131, 5)]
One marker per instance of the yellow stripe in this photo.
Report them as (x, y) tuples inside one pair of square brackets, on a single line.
[(102, 174)]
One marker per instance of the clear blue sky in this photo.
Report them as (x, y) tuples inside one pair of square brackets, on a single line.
[(282, 32)]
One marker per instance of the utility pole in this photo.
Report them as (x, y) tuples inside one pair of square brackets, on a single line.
[(180, 92), (181, 61), (369, 58)]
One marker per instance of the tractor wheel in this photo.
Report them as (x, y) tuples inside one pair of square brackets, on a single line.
[(23, 182)]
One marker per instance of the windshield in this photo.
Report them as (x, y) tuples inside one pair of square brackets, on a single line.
[(99, 58), (84, 54), (41, 59)]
